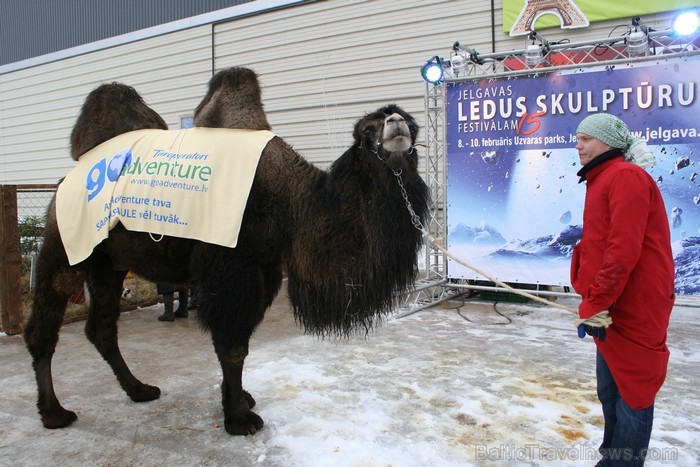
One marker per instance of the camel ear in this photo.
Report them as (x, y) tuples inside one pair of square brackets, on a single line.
[(370, 130)]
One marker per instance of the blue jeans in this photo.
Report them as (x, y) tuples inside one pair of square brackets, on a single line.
[(195, 298), (627, 431)]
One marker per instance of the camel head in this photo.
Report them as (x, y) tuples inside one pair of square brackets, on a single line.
[(390, 133), (233, 100), (355, 243)]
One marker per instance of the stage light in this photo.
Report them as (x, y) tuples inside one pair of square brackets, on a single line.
[(686, 23), (467, 52), (458, 63), (637, 40), (432, 71), (637, 44), (533, 55)]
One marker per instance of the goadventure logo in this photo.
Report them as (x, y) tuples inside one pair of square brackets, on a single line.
[(110, 169), (103, 171)]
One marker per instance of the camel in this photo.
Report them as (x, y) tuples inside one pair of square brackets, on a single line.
[(346, 238)]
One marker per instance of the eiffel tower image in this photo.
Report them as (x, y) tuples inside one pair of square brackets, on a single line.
[(569, 14)]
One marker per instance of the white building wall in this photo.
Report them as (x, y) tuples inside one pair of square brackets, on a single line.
[(322, 66)]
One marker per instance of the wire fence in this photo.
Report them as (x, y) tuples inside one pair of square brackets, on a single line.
[(32, 204)]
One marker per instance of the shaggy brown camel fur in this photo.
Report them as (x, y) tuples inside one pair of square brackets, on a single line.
[(345, 237)]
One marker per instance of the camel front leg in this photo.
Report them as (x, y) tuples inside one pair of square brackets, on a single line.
[(237, 403), (233, 304)]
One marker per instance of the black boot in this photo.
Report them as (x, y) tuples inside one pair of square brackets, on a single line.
[(181, 311), (168, 303)]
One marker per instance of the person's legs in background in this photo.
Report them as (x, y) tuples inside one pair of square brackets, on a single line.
[(195, 298), (168, 299), (181, 311)]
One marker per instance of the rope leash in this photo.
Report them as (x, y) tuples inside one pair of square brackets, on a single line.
[(601, 319)]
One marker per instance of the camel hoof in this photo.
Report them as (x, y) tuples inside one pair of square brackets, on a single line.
[(60, 419), (251, 425), (144, 393)]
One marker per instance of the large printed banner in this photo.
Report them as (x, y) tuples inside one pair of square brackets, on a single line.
[(514, 202), (521, 16)]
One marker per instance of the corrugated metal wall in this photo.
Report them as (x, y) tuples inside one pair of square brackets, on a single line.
[(29, 28), (322, 66)]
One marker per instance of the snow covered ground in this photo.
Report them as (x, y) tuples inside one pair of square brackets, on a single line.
[(464, 383)]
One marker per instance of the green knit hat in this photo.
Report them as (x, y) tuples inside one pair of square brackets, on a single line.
[(614, 132), (607, 128)]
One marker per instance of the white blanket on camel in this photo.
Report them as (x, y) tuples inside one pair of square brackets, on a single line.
[(190, 183)]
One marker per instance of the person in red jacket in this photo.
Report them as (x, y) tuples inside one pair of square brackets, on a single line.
[(623, 264)]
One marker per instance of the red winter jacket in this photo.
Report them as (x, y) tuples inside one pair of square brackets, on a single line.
[(624, 264)]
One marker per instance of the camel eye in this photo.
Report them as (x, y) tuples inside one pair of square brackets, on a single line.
[(370, 129)]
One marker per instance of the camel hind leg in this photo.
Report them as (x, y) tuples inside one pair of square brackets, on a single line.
[(55, 282), (105, 287)]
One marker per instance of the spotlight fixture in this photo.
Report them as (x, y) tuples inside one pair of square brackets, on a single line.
[(686, 23), (432, 71), (534, 54), (637, 40), (637, 44), (462, 57), (458, 63)]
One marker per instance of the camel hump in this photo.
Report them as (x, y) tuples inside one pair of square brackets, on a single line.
[(233, 100), (110, 110)]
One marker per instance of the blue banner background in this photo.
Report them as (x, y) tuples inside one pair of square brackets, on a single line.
[(514, 201)]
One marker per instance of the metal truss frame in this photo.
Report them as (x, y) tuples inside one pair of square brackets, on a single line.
[(562, 55), (431, 288)]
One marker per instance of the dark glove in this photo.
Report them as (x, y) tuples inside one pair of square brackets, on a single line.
[(592, 331)]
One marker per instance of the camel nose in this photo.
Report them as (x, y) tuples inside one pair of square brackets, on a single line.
[(394, 118)]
